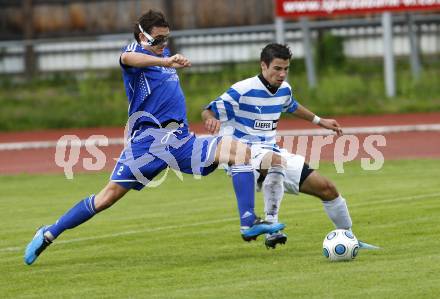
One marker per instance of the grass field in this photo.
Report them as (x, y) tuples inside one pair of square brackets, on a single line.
[(181, 240)]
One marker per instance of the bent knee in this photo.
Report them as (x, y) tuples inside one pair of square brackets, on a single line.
[(328, 191), (272, 159), (278, 161), (248, 155), (242, 154)]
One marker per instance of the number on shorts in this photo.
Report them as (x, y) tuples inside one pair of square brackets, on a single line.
[(121, 168)]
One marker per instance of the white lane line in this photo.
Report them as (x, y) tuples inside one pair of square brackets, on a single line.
[(307, 132), (365, 130), (8, 146), (170, 227)]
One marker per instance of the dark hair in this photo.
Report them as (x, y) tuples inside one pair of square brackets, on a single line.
[(149, 20), (272, 51)]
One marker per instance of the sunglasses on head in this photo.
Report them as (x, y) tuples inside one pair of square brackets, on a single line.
[(158, 41)]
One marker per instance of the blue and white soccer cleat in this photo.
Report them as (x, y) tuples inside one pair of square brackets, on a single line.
[(260, 227), (276, 238), (363, 245), (36, 246)]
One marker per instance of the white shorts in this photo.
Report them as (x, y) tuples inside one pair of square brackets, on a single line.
[(294, 167), (295, 164)]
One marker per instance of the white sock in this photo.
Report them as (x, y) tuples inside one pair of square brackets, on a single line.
[(48, 235), (273, 191), (337, 211)]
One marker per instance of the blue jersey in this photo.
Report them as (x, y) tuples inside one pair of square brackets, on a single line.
[(154, 92), (153, 89)]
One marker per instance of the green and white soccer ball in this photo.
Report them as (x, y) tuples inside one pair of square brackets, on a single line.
[(340, 245)]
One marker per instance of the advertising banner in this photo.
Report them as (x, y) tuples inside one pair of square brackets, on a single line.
[(301, 8)]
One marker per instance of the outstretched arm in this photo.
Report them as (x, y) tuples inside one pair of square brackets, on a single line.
[(143, 60), (327, 123)]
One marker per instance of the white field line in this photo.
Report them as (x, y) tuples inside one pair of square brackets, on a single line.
[(24, 145), (171, 227), (307, 132)]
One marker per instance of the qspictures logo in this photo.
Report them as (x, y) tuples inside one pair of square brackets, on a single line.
[(163, 143)]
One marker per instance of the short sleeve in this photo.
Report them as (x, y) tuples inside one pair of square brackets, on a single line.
[(225, 105), (291, 104), (133, 47)]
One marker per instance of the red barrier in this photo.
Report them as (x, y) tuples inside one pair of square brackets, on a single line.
[(300, 8)]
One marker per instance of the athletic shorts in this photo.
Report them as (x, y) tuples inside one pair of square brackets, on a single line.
[(151, 150), (296, 171)]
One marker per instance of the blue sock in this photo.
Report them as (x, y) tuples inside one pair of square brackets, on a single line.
[(80, 213), (243, 181)]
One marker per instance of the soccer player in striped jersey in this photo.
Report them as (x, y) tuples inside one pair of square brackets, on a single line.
[(250, 111)]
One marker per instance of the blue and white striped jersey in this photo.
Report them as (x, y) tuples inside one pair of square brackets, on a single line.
[(252, 110)]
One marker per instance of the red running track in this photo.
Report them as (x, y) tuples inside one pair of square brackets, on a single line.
[(406, 145)]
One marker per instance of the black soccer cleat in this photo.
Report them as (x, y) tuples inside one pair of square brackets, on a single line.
[(249, 239), (276, 238)]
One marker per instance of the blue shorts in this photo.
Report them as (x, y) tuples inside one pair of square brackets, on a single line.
[(151, 150)]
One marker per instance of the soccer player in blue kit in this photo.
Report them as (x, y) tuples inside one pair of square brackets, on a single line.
[(159, 138)]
